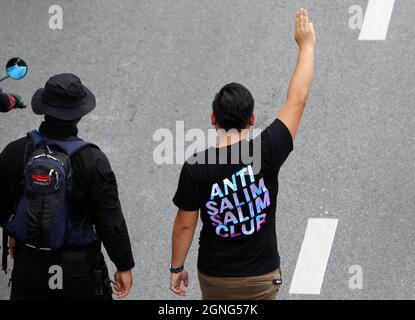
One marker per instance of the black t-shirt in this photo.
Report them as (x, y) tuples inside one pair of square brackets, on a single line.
[(237, 198)]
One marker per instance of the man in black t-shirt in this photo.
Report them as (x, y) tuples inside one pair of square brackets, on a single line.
[(234, 186)]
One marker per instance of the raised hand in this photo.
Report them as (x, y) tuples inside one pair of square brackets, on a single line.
[(304, 30)]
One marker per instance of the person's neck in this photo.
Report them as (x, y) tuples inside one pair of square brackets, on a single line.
[(227, 138), (57, 128)]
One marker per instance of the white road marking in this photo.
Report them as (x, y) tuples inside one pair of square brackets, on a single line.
[(377, 18), (314, 255)]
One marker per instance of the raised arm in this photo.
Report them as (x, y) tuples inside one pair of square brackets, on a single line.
[(292, 110)]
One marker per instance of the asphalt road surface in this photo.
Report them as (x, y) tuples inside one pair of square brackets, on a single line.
[(152, 63)]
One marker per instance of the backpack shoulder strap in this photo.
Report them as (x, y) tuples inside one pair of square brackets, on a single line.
[(70, 147), (35, 138)]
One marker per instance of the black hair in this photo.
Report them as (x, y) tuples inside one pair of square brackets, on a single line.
[(233, 107)]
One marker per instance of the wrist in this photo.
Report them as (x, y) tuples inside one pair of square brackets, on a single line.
[(306, 48), (125, 271), (175, 269), (123, 267)]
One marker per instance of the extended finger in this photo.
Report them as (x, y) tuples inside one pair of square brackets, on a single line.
[(306, 20)]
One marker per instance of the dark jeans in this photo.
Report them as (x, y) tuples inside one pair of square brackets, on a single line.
[(32, 275)]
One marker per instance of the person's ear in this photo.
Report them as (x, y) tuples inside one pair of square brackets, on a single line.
[(213, 119), (252, 120)]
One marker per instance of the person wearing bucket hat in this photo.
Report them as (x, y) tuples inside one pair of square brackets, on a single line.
[(91, 196), (63, 97)]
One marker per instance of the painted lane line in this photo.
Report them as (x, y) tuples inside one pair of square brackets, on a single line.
[(377, 18), (314, 255)]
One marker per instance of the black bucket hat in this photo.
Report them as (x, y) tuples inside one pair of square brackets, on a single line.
[(64, 97)]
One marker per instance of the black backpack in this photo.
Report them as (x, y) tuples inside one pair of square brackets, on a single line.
[(42, 219)]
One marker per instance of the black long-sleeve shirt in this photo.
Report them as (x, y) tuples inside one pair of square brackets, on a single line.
[(94, 192)]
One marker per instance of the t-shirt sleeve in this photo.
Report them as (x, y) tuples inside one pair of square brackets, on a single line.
[(186, 197), (276, 145)]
